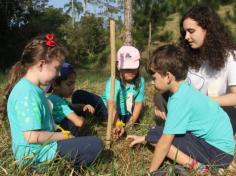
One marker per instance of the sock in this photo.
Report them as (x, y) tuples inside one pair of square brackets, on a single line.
[(199, 167)]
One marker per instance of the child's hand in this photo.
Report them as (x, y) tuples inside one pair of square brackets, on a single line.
[(117, 132), (160, 112), (88, 108), (130, 123), (159, 106), (136, 140)]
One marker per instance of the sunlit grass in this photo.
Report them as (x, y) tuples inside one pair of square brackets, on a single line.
[(120, 160)]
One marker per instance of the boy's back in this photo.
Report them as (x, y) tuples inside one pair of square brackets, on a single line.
[(191, 111)]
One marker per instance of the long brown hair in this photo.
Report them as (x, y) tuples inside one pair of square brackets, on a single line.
[(41, 47), (217, 44)]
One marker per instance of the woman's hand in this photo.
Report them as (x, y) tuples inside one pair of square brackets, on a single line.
[(159, 106), (136, 140), (88, 108), (160, 112)]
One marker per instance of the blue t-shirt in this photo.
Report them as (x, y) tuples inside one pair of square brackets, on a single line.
[(61, 107), (125, 95), (191, 111), (28, 110)]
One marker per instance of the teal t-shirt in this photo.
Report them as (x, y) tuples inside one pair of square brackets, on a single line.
[(191, 111), (125, 95), (60, 109), (28, 110)]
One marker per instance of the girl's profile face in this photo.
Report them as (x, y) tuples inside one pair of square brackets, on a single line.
[(66, 87), (194, 34), (49, 70), (128, 75)]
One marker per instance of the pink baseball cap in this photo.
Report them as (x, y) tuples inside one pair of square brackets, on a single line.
[(128, 57)]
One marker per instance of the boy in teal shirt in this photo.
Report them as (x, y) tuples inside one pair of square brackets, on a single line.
[(196, 129)]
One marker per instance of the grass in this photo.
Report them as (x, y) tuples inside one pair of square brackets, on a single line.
[(120, 160)]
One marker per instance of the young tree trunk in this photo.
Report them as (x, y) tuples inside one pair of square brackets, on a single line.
[(84, 7), (113, 70), (149, 38), (128, 40)]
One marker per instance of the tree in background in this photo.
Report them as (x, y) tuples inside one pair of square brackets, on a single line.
[(147, 16), (87, 41), (128, 22), (74, 8), (47, 21), (14, 16)]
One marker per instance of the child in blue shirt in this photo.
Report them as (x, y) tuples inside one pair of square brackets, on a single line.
[(34, 137), (129, 88), (69, 115), (196, 129)]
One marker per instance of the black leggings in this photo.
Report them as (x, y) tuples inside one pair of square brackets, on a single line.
[(85, 97), (231, 111)]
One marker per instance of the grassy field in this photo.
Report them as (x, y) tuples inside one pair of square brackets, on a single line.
[(120, 160)]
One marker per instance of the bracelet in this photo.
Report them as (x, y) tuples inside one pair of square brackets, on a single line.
[(66, 134), (120, 123)]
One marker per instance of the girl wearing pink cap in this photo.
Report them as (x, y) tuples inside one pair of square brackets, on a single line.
[(129, 89)]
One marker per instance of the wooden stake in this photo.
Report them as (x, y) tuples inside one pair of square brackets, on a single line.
[(113, 70)]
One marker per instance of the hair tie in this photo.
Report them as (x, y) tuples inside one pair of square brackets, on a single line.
[(50, 40)]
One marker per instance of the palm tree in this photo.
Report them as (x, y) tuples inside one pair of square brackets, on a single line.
[(74, 8)]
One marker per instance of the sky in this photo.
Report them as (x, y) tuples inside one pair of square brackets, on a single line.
[(61, 3), (58, 3)]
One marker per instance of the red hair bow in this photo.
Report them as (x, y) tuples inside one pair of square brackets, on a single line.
[(50, 40)]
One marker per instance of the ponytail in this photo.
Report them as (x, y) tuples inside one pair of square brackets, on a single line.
[(16, 73), (41, 47)]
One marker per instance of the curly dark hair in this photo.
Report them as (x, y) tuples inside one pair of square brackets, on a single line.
[(217, 44)]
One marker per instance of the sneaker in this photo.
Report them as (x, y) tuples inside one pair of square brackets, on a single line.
[(181, 170), (158, 173)]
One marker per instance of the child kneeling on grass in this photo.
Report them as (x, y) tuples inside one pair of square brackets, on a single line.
[(129, 90), (70, 115), (197, 131), (34, 137)]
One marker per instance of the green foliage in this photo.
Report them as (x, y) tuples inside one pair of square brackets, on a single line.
[(146, 13), (166, 36), (47, 21), (22, 20), (231, 16), (14, 14), (86, 41)]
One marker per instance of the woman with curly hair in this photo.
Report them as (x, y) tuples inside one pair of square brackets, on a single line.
[(211, 57)]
